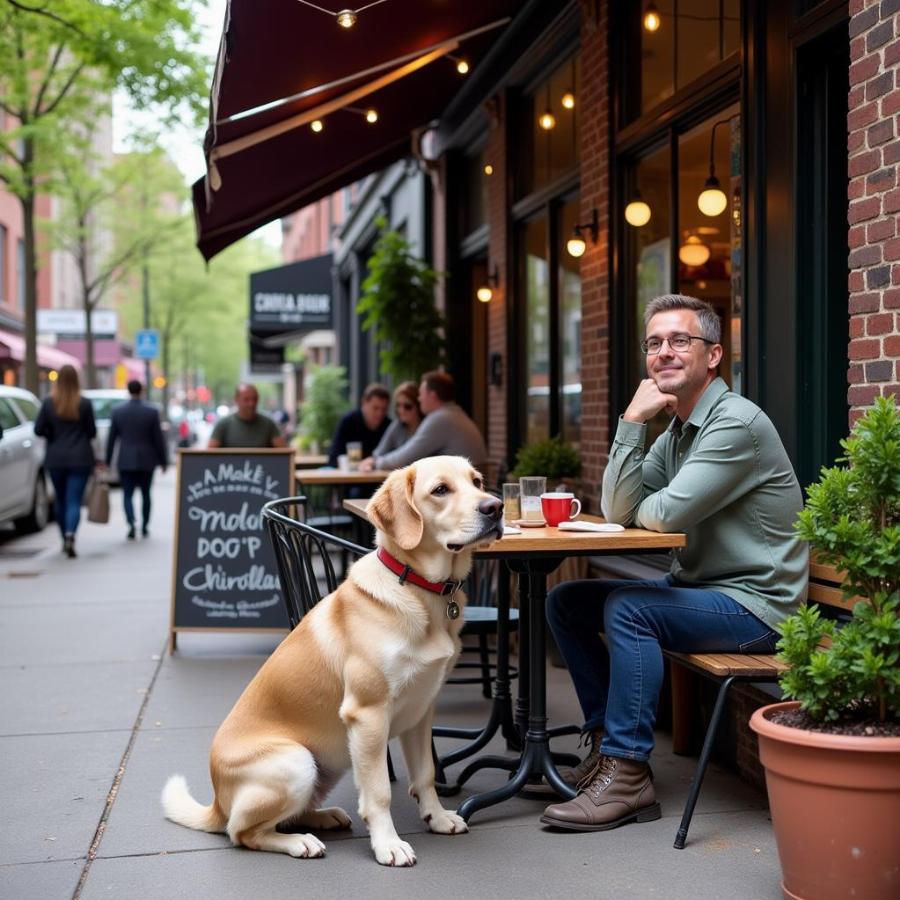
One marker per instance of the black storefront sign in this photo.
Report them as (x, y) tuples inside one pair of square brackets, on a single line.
[(289, 300), (225, 576)]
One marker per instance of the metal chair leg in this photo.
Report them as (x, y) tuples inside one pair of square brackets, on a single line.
[(694, 792)]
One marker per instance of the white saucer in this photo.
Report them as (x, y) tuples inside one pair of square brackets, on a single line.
[(529, 523)]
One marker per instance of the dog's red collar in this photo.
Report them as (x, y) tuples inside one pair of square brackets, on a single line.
[(444, 588)]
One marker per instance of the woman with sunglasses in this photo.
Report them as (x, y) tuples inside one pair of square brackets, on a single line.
[(409, 417)]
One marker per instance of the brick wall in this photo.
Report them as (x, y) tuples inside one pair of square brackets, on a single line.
[(594, 106), (874, 201)]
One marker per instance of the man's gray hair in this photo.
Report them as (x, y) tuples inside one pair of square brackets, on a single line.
[(710, 323)]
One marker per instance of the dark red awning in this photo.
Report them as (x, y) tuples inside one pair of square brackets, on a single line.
[(270, 163)]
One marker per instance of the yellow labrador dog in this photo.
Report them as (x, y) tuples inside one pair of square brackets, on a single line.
[(363, 666)]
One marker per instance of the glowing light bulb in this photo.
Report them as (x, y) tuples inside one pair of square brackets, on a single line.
[(637, 213), (346, 18), (52, 375), (371, 116), (316, 125), (568, 100), (576, 246), (652, 20), (712, 200), (462, 66), (484, 294), (693, 252), (547, 121), (488, 169)]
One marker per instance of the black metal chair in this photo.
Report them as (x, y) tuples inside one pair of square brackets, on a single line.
[(307, 573)]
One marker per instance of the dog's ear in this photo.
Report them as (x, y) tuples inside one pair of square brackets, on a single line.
[(393, 511)]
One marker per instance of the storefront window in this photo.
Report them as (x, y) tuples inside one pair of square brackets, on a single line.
[(701, 251), (709, 250), (569, 287), (549, 130), (537, 329), (680, 40)]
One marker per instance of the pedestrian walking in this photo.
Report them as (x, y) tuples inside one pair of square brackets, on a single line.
[(66, 420), (135, 425)]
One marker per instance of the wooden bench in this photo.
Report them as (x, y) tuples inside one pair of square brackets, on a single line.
[(729, 668)]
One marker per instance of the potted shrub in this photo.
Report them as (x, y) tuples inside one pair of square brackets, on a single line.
[(325, 403), (398, 306), (832, 754), (554, 458)]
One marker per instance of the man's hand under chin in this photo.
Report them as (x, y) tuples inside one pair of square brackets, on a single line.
[(647, 401)]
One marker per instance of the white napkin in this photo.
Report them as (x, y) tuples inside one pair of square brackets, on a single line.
[(590, 526)]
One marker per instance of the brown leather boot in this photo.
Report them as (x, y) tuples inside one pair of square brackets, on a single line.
[(574, 775), (618, 791)]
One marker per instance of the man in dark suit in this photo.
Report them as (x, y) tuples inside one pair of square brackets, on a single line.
[(136, 425)]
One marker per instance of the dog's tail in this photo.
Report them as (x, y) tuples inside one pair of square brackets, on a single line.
[(181, 807)]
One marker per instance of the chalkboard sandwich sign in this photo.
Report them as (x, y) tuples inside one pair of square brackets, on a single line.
[(225, 577)]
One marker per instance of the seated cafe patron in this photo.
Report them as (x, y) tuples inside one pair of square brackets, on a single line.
[(720, 474), (245, 427), (365, 425), (446, 429)]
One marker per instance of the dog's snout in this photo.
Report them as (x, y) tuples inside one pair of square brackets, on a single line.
[(491, 507)]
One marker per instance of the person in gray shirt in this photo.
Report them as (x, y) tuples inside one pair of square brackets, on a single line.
[(720, 474), (445, 430)]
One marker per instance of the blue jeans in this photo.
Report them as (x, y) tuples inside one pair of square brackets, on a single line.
[(131, 480), (68, 485), (618, 688)]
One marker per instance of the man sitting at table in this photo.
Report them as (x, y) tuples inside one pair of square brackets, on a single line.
[(245, 427), (720, 474), (365, 425), (445, 430)]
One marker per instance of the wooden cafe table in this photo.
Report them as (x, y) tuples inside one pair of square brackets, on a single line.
[(533, 554)]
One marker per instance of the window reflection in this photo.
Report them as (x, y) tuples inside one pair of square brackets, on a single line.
[(537, 330), (691, 37), (549, 146), (709, 251), (569, 329)]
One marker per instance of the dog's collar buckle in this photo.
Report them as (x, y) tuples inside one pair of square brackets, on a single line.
[(450, 587)]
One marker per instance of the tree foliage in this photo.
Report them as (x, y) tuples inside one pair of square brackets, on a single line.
[(60, 61), (852, 518), (325, 403), (398, 306)]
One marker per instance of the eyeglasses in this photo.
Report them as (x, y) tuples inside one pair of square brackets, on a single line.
[(405, 406), (680, 342)]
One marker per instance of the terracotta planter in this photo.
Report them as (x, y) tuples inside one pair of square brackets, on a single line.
[(835, 803)]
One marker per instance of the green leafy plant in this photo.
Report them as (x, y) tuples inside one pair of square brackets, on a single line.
[(398, 306), (554, 458), (325, 404), (852, 518)]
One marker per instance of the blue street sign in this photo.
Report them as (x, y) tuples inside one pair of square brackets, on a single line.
[(146, 344)]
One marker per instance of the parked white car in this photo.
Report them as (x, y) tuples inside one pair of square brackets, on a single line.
[(25, 491), (104, 401)]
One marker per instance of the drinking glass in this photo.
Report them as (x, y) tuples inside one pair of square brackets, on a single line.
[(512, 511), (354, 454), (530, 490)]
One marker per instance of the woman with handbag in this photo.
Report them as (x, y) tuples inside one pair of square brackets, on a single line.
[(66, 420)]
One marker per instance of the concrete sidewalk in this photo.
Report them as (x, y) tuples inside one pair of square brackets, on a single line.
[(94, 716)]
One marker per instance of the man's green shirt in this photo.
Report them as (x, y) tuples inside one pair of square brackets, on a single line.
[(233, 431), (724, 478)]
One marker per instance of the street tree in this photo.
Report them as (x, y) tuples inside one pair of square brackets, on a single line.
[(111, 218), (56, 59)]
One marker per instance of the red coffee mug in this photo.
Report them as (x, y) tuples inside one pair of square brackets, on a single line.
[(558, 506)]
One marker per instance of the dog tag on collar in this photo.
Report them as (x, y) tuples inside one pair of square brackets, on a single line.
[(452, 609)]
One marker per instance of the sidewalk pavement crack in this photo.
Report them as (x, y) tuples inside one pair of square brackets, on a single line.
[(117, 780)]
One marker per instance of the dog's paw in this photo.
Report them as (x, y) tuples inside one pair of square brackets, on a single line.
[(447, 822), (306, 846), (333, 818), (394, 853)]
